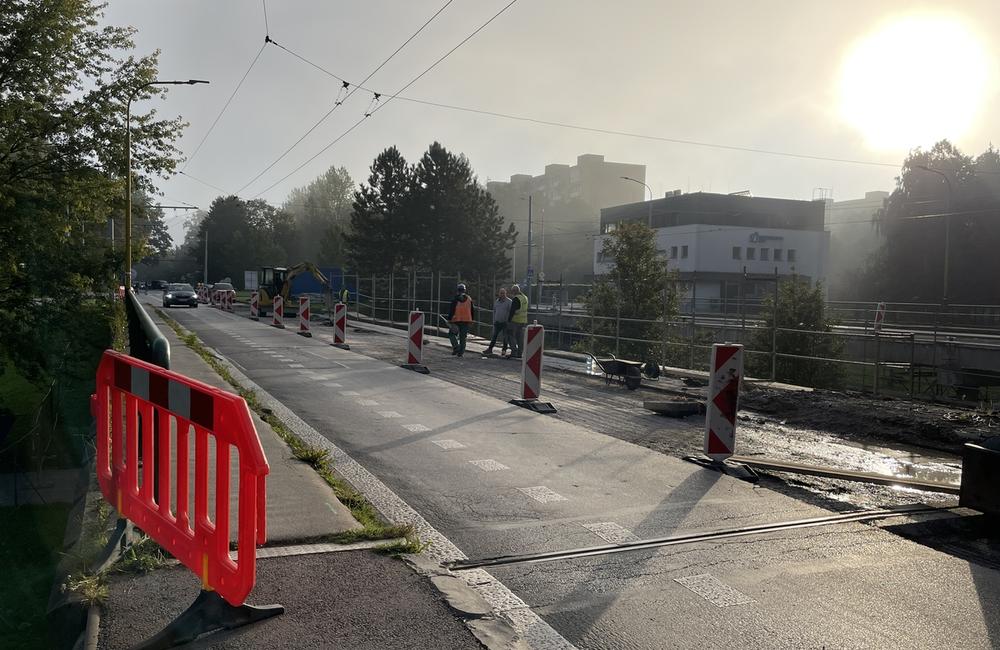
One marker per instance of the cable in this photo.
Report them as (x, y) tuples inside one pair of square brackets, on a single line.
[(224, 107), (267, 29), (342, 80), (205, 183), (390, 98)]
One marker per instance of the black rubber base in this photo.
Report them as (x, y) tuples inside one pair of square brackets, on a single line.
[(280, 327), (729, 468), (342, 346), (416, 367), (208, 613), (534, 405), (305, 334)]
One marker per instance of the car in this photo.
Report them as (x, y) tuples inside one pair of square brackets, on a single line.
[(158, 285), (180, 294), (223, 287)]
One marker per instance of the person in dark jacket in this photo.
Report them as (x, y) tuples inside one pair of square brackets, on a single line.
[(460, 314), (501, 311)]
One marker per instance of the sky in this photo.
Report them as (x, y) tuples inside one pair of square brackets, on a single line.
[(861, 81)]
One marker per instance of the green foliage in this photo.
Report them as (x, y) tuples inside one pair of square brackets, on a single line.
[(243, 235), (910, 264), (803, 329), (635, 299), (322, 212), (432, 216)]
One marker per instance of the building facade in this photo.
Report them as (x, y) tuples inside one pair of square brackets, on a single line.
[(566, 205), (853, 239), (728, 245)]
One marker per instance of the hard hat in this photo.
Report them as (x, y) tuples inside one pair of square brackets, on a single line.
[(461, 288)]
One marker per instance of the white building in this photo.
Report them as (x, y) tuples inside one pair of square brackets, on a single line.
[(713, 240)]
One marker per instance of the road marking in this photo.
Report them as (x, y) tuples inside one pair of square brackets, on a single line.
[(367, 402), (714, 590), (611, 532), (416, 428), (542, 494), (489, 465), (389, 414), (295, 365), (349, 393), (334, 385), (448, 444)]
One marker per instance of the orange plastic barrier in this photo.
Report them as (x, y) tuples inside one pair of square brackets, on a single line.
[(131, 396)]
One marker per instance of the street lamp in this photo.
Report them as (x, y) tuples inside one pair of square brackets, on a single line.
[(947, 227), (649, 218), (128, 164)]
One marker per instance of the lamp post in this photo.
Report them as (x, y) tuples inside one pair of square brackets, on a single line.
[(649, 218), (947, 227), (128, 164)]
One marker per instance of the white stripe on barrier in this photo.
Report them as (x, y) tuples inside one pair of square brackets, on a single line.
[(415, 339), (532, 348), (255, 305), (278, 312), (723, 400), (304, 316)]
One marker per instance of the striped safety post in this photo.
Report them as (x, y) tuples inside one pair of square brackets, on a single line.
[(415, 343), (217, 299), (304, 316), (532, 351), (227, 302), (278, 312), (255, 305), (340, 326), (723, 400), (140, 464)]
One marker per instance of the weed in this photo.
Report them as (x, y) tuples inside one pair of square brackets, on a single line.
[(410, 545), (317, 458), (92, 588), (141, 557)]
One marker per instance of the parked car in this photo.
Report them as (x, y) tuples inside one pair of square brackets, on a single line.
[(223, 287), (180, 294)]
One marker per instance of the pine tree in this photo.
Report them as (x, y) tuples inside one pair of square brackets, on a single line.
[(379, 240)]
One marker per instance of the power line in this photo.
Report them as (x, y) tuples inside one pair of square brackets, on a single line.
[(336, 104), (391, 97), (267, 30), (224, 107), (205, 183)]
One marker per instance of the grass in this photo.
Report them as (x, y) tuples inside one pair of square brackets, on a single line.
[(31, 538), (141, 557), (373, 526)]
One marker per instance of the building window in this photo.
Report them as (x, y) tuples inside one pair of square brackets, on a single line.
[(737, 253), (777, 254), (764, 254), (751, 253), (684, 252), (673, 252), (791, 255)]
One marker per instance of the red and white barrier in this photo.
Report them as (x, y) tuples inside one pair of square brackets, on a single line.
[(340, 326), (723, 400), (278, 312), (255, 305), (305, 314), (230, 300), (879, 316), (415, 339), (531, 361)]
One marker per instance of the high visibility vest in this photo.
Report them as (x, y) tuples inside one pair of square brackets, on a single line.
[(345, 296), (521, 315), (463, 311)]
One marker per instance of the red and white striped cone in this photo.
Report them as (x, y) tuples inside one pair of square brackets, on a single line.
[(228, 302), (217, 299), (305, 314), (278, 312), (415, 343), (532, 351), (255, 305), (340, 326), (723, 400)]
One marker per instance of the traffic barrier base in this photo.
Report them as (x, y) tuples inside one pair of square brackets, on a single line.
[(305, 317), (340, 326), (415, 344), (532, 348), (208, 613)]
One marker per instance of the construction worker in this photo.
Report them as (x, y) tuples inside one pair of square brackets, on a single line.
[(459, 315), (345, 295), (501, 311), (518, 320)]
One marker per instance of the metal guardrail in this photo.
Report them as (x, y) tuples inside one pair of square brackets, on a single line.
[(145, 340)]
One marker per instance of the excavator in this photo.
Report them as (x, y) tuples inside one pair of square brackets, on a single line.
[(274, 280)]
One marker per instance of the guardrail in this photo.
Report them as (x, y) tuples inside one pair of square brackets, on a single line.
[(145, 340)]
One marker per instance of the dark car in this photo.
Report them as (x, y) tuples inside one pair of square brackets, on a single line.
[(158, 285), (180, 294)]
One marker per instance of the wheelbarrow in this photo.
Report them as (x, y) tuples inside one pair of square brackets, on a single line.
[(626, 372)]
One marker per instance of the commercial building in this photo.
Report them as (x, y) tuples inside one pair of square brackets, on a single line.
[(713, 239), (566, 205), (853, 239)]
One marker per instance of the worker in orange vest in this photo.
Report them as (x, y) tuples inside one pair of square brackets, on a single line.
[(460, 316)]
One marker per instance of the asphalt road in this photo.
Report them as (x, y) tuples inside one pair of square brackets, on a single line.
[(496, 479)]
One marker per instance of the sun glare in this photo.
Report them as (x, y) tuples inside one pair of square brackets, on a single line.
[(913, 81)]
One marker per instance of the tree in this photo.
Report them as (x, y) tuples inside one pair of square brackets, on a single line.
[(378, 240), (958, 202), (64, 82), (243, 235), (636, 299), (322, 212), (803, 329)]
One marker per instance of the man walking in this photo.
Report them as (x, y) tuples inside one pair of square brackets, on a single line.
[(459, 315), (501, 311), (517, 320)]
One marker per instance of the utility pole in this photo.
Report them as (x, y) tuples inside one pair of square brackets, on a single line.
[(205, 270), (947, 228), (530, 270)]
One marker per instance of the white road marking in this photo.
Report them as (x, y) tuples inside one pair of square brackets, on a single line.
[(389, 414), (367, 402), (295, 365), (448, 444), (489, 465), (714, 590), (542, 494), (333, 385), (349, 393), (611, 532), (416, 428)]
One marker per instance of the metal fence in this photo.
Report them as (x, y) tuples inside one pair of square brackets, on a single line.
[(921, 350)]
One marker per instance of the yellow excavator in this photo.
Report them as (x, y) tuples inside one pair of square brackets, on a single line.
[(275, 280)]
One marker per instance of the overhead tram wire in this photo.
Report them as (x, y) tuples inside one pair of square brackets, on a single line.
[(354, 89), (224, 107), (205, 183), (390, 97)]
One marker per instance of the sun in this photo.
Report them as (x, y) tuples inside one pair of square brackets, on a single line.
[(913, 81)]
